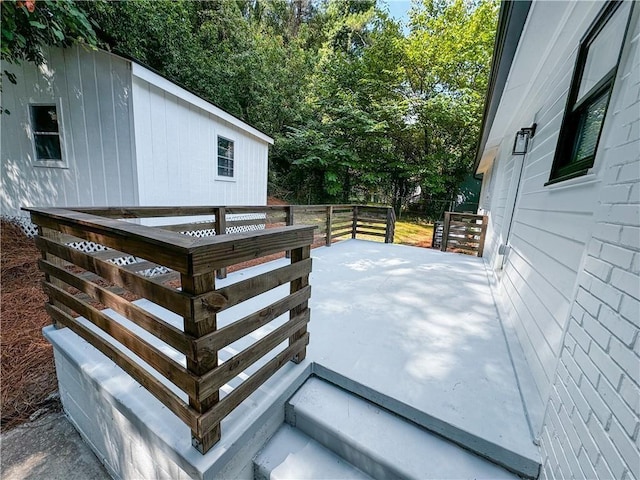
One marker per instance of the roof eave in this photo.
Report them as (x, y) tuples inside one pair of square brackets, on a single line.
[(513, 15)]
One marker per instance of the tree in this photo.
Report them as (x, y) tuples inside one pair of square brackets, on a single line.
[(29, 25), (358, 110), (448, 53)]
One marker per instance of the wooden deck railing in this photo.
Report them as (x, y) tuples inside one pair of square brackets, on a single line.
[(332, 221), (94, 258), (80, 283), (464, 232)]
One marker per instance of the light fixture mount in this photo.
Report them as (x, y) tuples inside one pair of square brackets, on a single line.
[(521, 142)]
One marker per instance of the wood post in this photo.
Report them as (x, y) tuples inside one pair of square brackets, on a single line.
[(221, 229), (329, 222), (483, 234), (299, 255), (354, 228), (445, 231), (54, 235), (391, 223), (198, 327), (289, 218)]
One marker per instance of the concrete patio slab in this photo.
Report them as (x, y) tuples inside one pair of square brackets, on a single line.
[(418, 330), (410, 329)]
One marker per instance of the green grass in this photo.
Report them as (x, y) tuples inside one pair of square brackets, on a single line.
[(413, 232)]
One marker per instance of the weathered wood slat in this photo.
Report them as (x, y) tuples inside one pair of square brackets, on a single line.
[(318, 209), (232, 400), (212, 381), (259, 209), (346, 233), (107, 254), (151, 323), (221, 251), (146, 212), (341, 222), (169, 298), (165, 277), (148, 381), (464, 245), (474, 225), (171, 370), (233, 294), (167, 248), (229, 334), (372, 219), (375, 234), (372, 227), (140, 266)]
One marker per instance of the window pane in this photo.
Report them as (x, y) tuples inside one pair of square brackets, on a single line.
[(590, 125), (225, 172), (225, 162), (44, 118), (603, 52), (48, 147), (225, 147)]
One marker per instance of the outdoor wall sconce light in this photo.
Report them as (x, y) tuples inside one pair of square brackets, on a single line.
[(523, 136)]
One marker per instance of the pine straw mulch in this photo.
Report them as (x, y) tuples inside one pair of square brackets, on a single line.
[(27, 375)]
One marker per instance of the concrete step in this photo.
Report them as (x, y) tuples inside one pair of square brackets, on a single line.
[(290, 454), (378, 442)]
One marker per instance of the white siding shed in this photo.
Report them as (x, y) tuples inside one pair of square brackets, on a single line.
[(127, 135)]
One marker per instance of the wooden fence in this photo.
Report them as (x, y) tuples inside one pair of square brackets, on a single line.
[(128, 260), (464, 233)]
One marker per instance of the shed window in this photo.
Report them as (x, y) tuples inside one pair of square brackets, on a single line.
[(46, 132), (225, 157), (590, 93)]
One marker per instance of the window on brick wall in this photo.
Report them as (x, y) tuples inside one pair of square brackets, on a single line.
[(590, 92)]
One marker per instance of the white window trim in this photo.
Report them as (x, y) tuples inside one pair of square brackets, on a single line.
[(62, 163), (224, 178)]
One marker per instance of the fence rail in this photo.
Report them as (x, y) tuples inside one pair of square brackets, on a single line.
[(172, 263), (463, 232)]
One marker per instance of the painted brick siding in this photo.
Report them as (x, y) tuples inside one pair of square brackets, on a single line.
[(592, 427)]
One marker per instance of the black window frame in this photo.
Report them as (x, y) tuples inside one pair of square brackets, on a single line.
[(38, 133), (564, 167), (228, 162)]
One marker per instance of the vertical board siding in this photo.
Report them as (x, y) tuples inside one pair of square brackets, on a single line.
[(92, 92), (176, 145)]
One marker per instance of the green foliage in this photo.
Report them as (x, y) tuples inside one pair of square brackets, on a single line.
[(29, 25), (359, 110)]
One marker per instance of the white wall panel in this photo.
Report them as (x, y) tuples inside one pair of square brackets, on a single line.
[(91, 90), (176, 144)]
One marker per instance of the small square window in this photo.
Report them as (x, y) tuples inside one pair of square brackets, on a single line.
[(225, 157), (590, 92), (46, 132)]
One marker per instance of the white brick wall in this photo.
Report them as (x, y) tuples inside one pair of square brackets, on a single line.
[(592, 423)]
